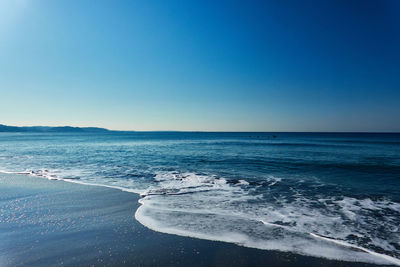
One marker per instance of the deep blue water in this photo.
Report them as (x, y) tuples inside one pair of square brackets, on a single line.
[(279, 191)]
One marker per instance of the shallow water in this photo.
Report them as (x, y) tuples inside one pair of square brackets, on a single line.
[(327, 195)]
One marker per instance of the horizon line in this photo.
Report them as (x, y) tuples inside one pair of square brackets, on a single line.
[(204, 131)]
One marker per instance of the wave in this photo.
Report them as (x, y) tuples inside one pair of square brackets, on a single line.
[(360, 141), (267, 143), (342, 243), (208, 207), (286, 241)]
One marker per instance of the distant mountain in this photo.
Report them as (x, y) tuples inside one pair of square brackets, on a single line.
[(58, 129)]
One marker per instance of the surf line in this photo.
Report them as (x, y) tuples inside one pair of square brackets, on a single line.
[(74, 181), (342, 243), (338, 242)]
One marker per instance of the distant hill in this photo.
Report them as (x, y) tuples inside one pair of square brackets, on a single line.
[(58, 129)]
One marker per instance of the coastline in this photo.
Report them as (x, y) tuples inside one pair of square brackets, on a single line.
[(46, 222)]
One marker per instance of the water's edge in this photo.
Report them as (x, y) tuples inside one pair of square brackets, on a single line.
[(146, 221)]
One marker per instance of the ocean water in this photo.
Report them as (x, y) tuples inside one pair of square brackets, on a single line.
[(327, 195)]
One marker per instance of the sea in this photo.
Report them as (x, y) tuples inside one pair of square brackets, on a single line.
[(330, 195)]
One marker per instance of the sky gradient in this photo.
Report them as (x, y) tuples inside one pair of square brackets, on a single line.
[(201, 65)]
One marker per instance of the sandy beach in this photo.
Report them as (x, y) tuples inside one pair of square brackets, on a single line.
[(56, 223)]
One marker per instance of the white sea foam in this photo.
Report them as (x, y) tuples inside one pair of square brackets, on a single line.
[(342, 243), (208, 207), (238, 230)]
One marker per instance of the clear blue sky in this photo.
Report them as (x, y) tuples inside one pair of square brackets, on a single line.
[(201, 65)]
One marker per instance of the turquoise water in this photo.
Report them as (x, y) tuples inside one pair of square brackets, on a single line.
[(327, 195)]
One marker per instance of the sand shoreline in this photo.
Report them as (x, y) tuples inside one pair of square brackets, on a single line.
[(53, 223)]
